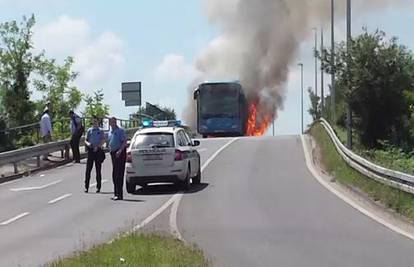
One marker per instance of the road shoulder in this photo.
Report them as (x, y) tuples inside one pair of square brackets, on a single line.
[(357, 199)]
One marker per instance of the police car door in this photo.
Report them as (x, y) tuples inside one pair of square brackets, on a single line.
[(191, 153)]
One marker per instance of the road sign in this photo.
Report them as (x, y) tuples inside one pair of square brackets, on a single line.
[(131, 103), (131, 93)]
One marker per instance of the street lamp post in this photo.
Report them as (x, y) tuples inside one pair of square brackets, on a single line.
[(316, 60), (301, 95), (333, 93), (322, 79), (349, 39)]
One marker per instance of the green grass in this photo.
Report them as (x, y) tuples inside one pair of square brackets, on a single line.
[(399, 201), (138, 250), (392, 158), (389, 157)]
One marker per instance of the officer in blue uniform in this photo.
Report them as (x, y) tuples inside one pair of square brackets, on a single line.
[(117, 147), (95, 139)]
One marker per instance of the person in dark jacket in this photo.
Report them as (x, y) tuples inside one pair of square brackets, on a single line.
[(76, 129), (95, 139)]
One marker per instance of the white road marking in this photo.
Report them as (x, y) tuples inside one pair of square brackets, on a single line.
[(35, 187), (346, 199), (42, 175), (14, 218), (173, 217), (156, 213), (53, 201), (174, 210), (9, 182), (176, 198), (94, 184)]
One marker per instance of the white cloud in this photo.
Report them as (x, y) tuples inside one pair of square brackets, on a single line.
[(62, 36), (99, 56), (100, 59), (173, 68), (97, 59)]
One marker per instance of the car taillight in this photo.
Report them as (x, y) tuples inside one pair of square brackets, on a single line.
[(179, 155), (129, 157)]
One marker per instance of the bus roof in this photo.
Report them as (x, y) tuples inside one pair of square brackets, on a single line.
[(219, 82)]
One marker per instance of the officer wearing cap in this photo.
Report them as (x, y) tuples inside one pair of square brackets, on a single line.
[(117, 147), (95, 139)]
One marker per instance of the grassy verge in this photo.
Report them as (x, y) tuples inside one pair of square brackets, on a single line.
[(137, 250), (389, 157), (392, 158), (399, 201)]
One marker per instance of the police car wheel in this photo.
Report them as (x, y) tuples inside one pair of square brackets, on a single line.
[(197, 178), (130, 188), (186, 184)]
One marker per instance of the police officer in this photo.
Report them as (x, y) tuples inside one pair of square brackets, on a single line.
[(94, 141), (117, 147)]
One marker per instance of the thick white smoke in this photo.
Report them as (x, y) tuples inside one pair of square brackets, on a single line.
[(260, 39)]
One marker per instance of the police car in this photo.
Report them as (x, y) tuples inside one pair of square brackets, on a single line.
[(162, 152)]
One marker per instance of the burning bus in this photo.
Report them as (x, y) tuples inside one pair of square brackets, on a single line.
[(221, 109)]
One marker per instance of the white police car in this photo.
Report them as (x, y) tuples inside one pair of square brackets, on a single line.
[(162, 152)]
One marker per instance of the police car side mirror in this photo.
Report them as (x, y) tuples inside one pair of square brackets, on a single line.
[(196, 143)]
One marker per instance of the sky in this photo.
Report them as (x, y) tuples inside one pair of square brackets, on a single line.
[(157, 42)]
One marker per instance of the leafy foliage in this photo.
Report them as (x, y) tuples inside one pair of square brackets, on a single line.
[(16, 64), (56, 83), (375, 76), (158, 113), (315, 109), (95, 105)]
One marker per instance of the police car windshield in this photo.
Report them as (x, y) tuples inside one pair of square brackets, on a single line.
[(153, 140)]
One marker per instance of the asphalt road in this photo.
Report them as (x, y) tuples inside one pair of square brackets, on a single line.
[(262, 207), (258, 206), (34, 231)]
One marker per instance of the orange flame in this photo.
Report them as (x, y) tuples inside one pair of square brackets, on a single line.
[(257, 126)]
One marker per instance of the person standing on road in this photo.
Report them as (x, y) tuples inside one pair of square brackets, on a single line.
[(117, 147), (95, 139), (46, 128), (76, 129)]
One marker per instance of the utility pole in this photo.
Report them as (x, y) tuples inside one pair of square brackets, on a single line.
[(301, 95), (333, 93), (322, 79), (349, 39), (316, 60)]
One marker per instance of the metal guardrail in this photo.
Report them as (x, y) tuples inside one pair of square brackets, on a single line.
[(396, 179), (15, 156)]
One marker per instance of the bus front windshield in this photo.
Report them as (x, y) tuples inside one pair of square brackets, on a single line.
[(219, 101)]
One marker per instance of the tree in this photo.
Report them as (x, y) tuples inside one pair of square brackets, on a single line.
[(157, 112), (16, 64), (95, 105), (315, 109), (56, 83), (372, 75)]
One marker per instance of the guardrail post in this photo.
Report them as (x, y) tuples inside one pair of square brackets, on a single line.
[(16, 171), (61, 154), (66, 152), (38, 161)]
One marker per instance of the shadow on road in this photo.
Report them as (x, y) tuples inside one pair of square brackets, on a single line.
[(169, 189), (132, 200)]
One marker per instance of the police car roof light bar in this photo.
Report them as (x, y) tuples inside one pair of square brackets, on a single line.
[(167, 123)]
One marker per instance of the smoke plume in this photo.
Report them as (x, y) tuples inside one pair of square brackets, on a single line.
[(260, 39)]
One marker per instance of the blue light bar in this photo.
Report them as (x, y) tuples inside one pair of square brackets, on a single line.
[(167, 123), (147, 123)]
